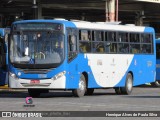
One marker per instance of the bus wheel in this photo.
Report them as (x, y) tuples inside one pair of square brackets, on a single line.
[(128, 85), (80, 91), (156, 83), (89, 91), (34, 92), (118, 90)]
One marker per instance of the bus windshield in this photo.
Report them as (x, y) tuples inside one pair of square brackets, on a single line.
[(36, 48)]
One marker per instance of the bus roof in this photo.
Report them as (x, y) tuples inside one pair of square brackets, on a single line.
[(113, 27)]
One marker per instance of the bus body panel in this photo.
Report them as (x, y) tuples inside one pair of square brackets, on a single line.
[(101, 74)]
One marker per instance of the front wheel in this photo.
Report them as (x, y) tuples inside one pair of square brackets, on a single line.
[(80, 91)]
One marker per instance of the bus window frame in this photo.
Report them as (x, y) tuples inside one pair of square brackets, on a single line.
[(108, 43)]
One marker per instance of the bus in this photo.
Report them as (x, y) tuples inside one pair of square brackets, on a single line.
[(4, 32), (80, 56), (157, 82)]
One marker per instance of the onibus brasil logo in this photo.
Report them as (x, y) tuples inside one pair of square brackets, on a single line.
[(29, 102)]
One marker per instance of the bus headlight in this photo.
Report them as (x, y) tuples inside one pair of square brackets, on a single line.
[(59, 75), (13, 75)]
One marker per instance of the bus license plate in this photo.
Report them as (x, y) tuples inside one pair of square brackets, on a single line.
[(35, 82)]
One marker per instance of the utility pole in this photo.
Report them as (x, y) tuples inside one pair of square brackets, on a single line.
[(112, 8), (35, 10)]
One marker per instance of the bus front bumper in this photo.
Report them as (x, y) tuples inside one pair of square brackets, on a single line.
[(59, 83)]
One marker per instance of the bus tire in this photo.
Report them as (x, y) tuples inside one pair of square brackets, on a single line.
[(34, 92), (128, 85), (89, 91), (80, 91), (156, 83)]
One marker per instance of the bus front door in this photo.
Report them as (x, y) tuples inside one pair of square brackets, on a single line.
[(3, 67)]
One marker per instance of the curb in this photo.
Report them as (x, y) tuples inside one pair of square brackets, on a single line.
[(4, 87)]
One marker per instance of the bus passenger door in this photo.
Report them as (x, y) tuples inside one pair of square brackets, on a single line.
[(72, 54), (3, 67)]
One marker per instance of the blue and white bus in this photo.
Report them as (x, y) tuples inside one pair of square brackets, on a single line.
[(4, 32), (80, 56)]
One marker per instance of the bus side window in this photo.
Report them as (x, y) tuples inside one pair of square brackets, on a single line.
[(134, 48), (100, 47), (84, 47), (123, 48), (146, 38), (106, 36), (72, 43), (124, 37), (72, 47), (113, 47), (134, 37), (93, 36), (99, 35), (112, 36)]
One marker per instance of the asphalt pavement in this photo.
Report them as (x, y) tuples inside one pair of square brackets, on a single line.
[(143, 98)]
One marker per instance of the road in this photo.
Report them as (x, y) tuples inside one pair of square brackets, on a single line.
[(141, 99)]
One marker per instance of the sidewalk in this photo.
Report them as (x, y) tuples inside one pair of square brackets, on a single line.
[(4, 87)]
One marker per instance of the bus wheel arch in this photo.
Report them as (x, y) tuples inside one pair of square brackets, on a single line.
[(89, 91)]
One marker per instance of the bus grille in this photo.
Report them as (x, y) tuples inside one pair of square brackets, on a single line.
[(35, 71)]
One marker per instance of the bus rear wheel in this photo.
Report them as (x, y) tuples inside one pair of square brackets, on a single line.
[(34, 92), (80, 91), (127, 89), (128, 85)]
